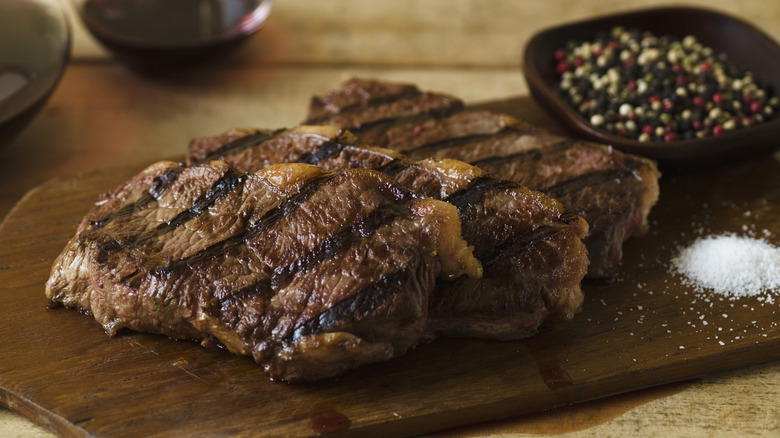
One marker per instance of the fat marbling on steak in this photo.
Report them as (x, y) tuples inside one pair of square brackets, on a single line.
[(310, 272), (613, 191), (530, 248)]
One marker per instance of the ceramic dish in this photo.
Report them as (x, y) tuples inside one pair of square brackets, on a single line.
[(34, 50), (743, 43)]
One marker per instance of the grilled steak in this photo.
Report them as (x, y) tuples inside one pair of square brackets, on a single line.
[(613, 191), (309, 272), (531, 250)]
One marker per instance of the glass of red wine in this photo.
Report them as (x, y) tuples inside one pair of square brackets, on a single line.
[(167, 32)]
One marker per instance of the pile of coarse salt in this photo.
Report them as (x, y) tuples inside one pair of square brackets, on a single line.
[(731, 265)]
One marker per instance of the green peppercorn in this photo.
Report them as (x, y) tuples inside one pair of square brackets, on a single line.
[(679, 87)]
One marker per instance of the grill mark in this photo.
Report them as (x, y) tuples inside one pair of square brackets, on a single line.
[(476, 191), (392, 121), (369, 297), (228, 308), (394, 167), (372, 101), (579, 182), (338, 243), (230, 181), (322, 152), (535, 154), (261, 288), (160, 186), (432, 147), (268, 220), (239, 144), (517, 245), (365, 298)]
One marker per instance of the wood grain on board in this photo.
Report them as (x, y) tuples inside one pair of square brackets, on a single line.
[(644, 329)]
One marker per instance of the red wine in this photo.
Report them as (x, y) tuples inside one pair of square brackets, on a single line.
[(166, 31)]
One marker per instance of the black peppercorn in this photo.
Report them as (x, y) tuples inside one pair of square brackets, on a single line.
[(667, 88)]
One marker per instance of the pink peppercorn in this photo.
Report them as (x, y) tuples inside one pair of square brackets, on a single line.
[(674, 100)]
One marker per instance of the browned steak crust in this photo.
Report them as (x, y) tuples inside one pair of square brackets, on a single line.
[(310, 272), (530, 248), (613, 191)]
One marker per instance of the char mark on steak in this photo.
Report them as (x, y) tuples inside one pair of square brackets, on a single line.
[(530, 248), (310, 272), (376, 105), (613, 191)]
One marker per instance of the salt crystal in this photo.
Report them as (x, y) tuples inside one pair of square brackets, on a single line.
[(731, 265)]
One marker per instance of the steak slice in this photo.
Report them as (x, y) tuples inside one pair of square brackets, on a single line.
[(529, 247), (310, 272), (613, 191)]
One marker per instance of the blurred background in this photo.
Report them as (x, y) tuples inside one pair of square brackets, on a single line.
[(104, 113)]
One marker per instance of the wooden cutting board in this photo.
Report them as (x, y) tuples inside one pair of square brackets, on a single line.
[(646, 328)]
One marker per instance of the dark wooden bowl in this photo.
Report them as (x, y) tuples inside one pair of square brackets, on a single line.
[(743, 43)]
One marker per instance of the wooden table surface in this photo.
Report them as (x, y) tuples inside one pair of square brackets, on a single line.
[(104, 114)]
